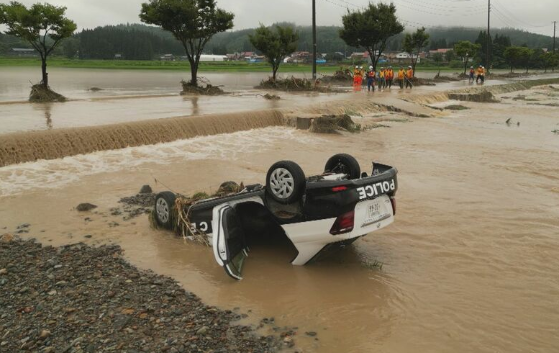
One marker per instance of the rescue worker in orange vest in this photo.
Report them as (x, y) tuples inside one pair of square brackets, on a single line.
[(363, 76), (480, 74), (389, 76), (409, 77), (401, 76), (356, 75), (371, 76), (381, 79)]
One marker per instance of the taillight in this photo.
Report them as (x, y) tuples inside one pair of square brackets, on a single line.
[(393, 202), (343, 224), (339, 188)]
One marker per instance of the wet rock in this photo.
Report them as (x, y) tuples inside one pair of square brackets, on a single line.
[(23, 226), (6, 238), (203, 330), (44, 334), (146, 189), (83, 207), (311, 333), (88, 236)]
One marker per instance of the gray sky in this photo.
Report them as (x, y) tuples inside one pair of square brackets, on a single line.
[(531, 15)]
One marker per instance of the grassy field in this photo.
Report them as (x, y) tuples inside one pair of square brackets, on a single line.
[(228, 66)]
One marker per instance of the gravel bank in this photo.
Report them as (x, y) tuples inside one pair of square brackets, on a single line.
[(82, 299)]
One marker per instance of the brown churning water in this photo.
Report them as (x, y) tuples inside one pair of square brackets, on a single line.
[(52, 144)]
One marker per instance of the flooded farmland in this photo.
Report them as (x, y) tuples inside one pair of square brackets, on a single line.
[(470, 263)]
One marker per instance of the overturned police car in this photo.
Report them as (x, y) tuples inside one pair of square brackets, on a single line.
[(336, 207)]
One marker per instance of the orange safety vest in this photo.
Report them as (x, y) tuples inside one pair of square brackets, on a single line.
[(391, 74), (401, 74), (371, 74), (356, 73), (410, 73), (480, 71)]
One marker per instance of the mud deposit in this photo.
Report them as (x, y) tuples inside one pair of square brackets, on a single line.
[(470, 264), (82, 299)]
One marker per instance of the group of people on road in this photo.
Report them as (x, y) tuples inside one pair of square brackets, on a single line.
[(478, 74), (383, 79)]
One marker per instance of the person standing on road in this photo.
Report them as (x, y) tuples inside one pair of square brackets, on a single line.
[(381, 79), (480, 74), (472, 73), (371, 76), (401, 77), (389, 77), (409, 77), (356, 74)]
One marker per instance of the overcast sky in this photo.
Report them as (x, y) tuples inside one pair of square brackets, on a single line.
[(532, 15)]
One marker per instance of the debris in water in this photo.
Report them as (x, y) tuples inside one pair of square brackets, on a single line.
[(83, 207), (272, 97), (508, 121), (95, 89), (329, 124), (208, 90), (555, 131), (146, 189), (456, 107), (41, 94), (518, 123), (293, 84)]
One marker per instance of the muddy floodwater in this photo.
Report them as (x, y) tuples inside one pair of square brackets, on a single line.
[(470, 264)]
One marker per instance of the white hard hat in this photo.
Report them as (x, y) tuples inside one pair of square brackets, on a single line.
[(361, 67), (409, 66), (370, 67), (356, 67)]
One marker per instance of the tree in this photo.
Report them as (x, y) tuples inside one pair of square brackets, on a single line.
[(276, 46), (437, 57), (71, 47), (413, 42), (43, 26), (518, 56), (550, 60), (371, 28), (192, 22), (466, 49), (450, 55)]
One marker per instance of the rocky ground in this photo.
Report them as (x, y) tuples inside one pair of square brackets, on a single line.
[(82, 299)]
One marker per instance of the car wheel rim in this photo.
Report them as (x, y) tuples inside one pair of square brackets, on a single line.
[(281, 183), (162, 209)]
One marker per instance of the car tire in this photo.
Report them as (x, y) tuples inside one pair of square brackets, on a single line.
[(343, 163), (165, 211), (285, 182)]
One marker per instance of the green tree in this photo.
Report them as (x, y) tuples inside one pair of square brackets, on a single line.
[(413, 42), (43, 26), (71, 47), (438, 57), (450, 55), (275, 45), (550, 60), (371, 28), (192, 22), (465, 50), (518, 56)]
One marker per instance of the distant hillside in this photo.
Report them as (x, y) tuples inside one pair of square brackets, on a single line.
[(141, 42)]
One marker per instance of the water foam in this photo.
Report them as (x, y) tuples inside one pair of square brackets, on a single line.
[(52, 174)]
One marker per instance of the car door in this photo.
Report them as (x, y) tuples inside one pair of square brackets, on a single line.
[(228, 240)]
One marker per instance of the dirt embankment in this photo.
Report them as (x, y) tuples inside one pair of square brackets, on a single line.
[(82, 299)]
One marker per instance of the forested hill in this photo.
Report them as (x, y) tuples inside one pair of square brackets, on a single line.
[(137, 41)]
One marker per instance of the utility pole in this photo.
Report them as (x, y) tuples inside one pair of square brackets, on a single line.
[(487, 59), (314, 39), (554, 27)]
